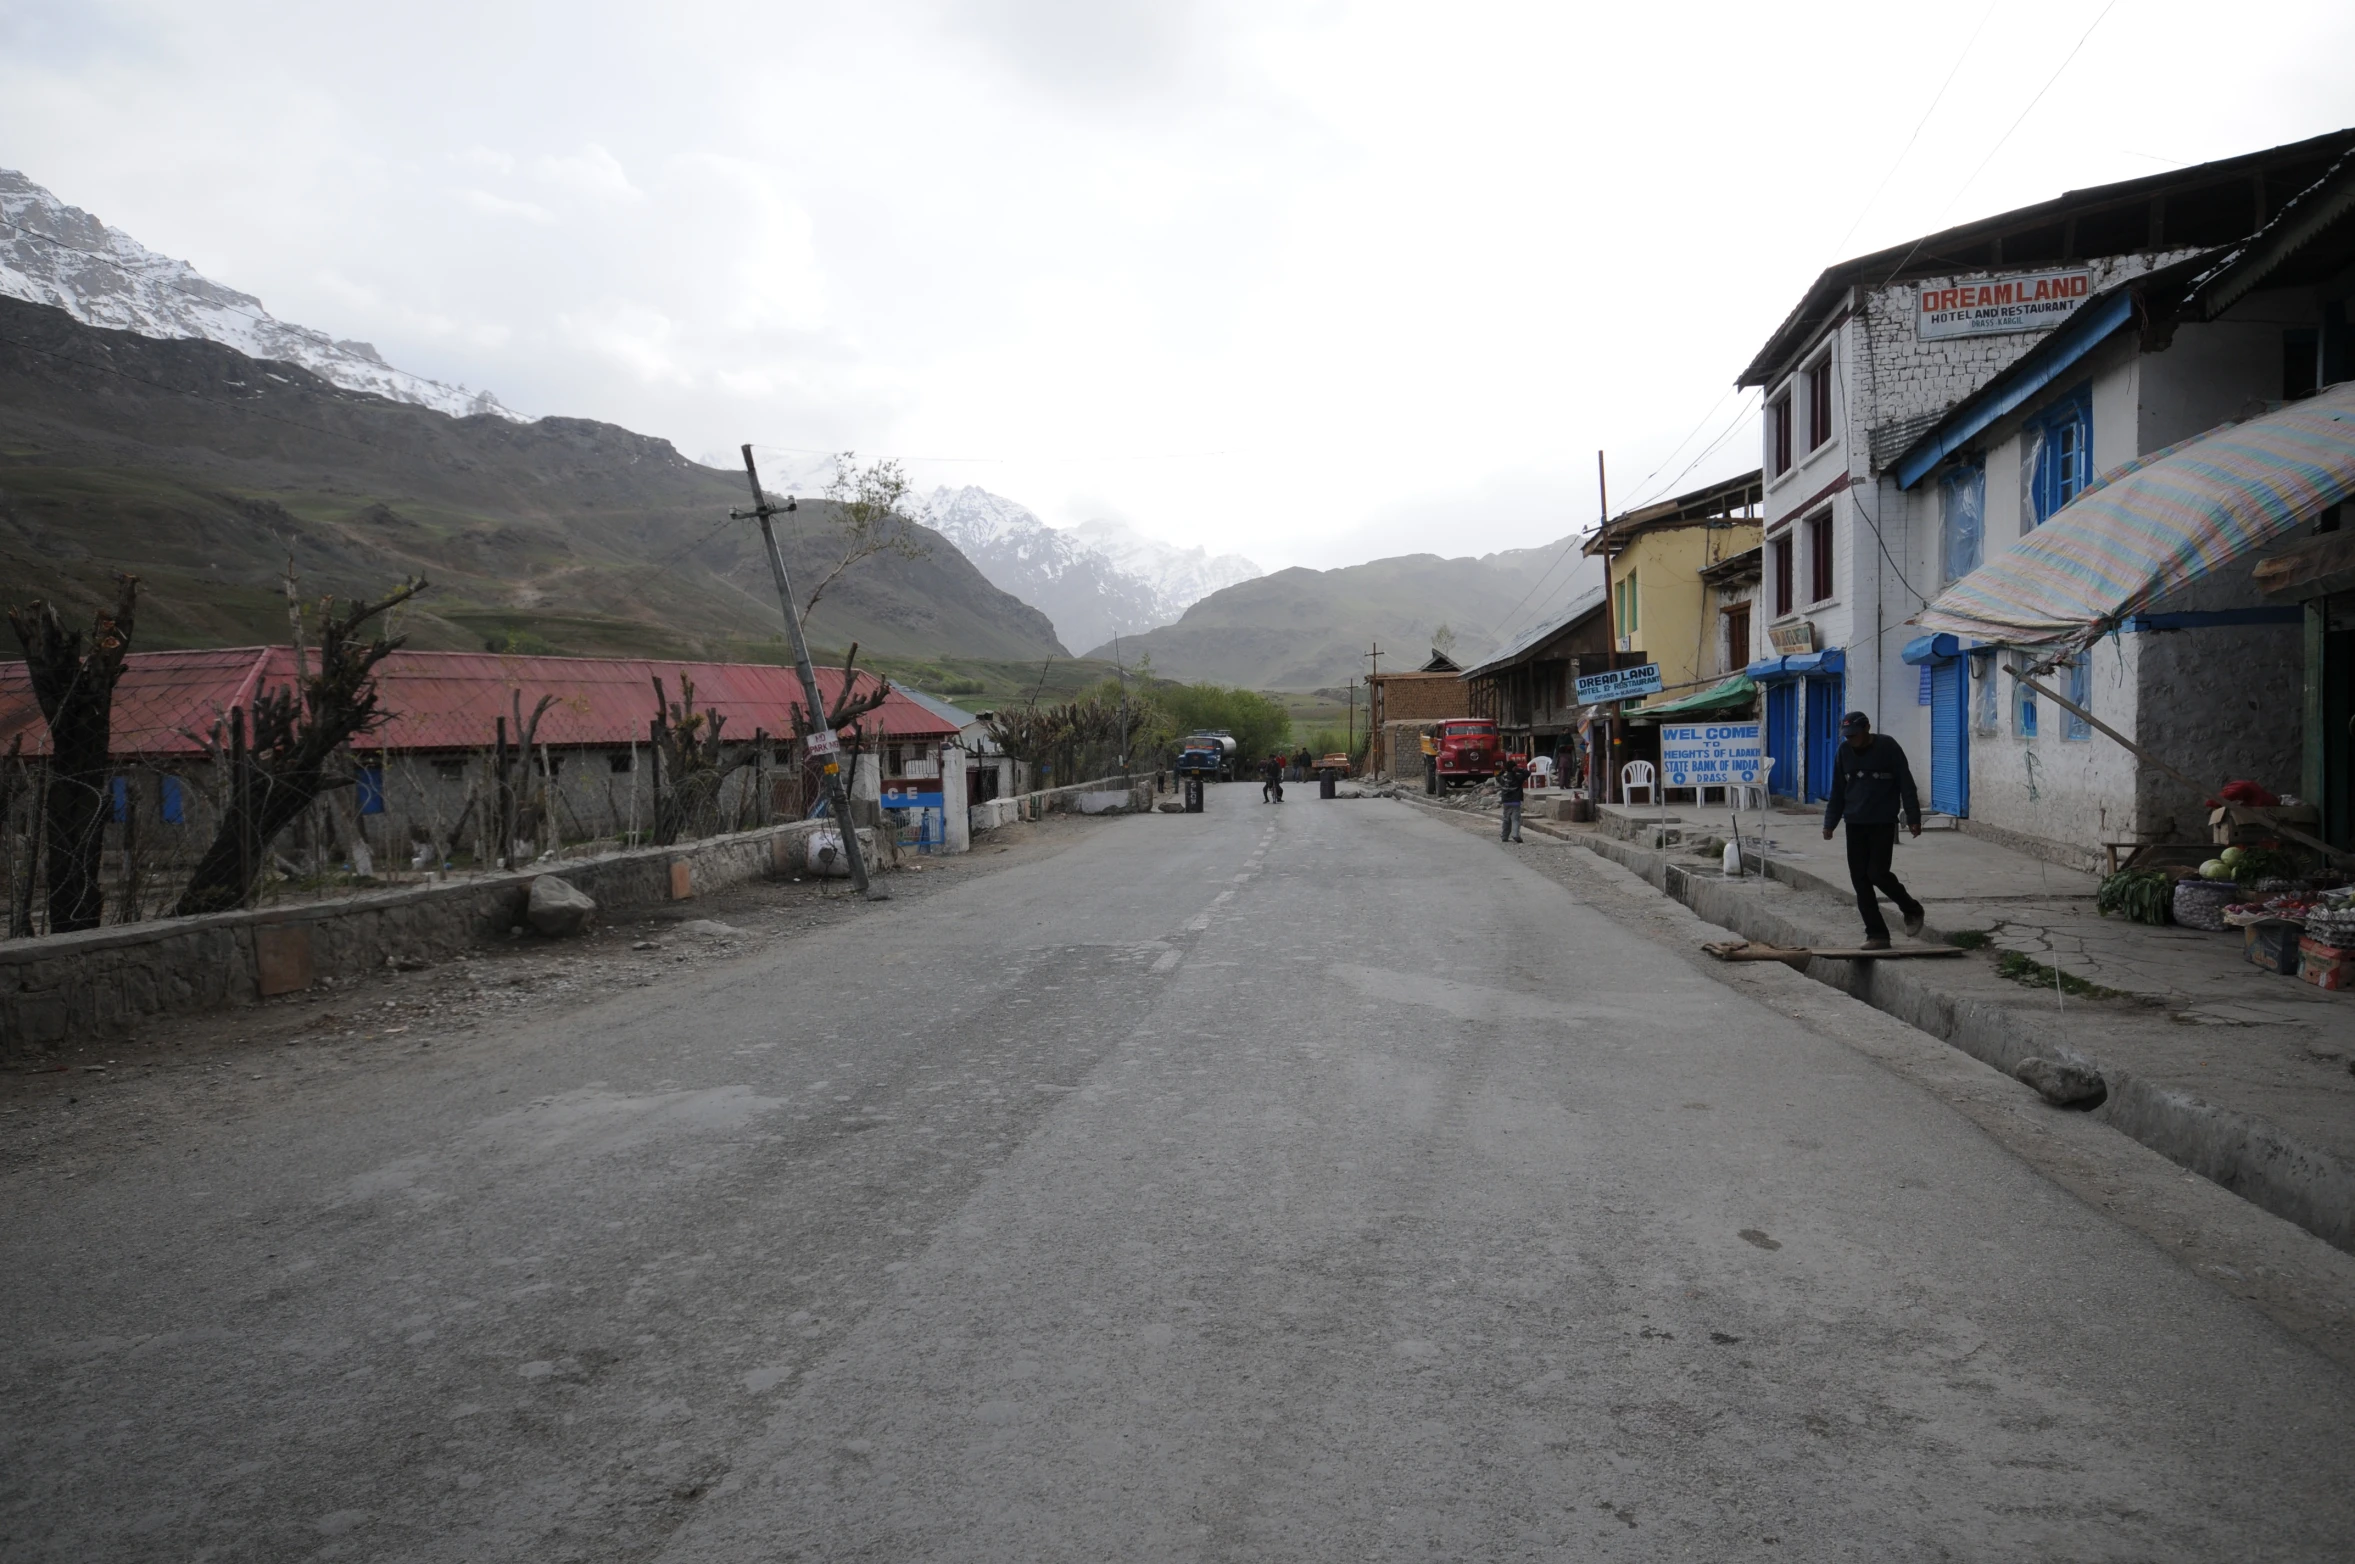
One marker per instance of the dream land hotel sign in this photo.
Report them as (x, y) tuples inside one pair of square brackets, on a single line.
[(1998, 304)]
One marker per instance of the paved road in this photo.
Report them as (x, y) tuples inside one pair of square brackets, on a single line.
[(1313, 1183)]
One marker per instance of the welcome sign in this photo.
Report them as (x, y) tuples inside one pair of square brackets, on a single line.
[(1711, 754), (1999, 304)]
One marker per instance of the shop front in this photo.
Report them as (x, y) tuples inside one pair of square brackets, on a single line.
[(1805, 699)]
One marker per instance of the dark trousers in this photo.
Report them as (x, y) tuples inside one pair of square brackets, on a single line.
[(1511, 831), (1870, 849)]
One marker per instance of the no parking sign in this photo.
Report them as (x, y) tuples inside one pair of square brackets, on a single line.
[(1711, 754)]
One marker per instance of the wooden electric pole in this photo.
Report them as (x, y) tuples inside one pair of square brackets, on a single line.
[(837, 795)]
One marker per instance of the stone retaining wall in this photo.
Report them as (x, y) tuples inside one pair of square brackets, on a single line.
[(101, 981)]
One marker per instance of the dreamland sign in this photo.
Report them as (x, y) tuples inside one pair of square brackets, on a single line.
[(1977, 309)]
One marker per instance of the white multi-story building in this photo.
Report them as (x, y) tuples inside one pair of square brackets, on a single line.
[(1874, 357)]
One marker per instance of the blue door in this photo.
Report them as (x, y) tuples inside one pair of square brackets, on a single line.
[(1950, 737), (1824, 696), (1782, 738)]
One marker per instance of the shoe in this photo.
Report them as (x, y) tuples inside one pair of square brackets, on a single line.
[(1881, 943), (1913, 924)]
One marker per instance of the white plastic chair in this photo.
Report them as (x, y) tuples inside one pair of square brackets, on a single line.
[(1635, 774)]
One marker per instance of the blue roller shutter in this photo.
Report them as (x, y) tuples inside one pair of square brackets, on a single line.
[(1950, 736), (1782, 738), (1824, 697)]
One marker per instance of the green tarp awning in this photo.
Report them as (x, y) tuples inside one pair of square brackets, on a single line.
[(1735, 692)]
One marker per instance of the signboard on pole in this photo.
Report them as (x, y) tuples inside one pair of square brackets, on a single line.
[(1620, 684), (1711, 754), (823, 742), (1999, 304), (910, 793)]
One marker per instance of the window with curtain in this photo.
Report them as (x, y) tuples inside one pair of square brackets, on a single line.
[(1984, 699), (1783, 557), (1962, 494), (1778, 436), (2023, 699), (2056, 456), (1820, 562), (2073, 727)]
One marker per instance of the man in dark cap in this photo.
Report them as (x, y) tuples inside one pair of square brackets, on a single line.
[(1870, 783)]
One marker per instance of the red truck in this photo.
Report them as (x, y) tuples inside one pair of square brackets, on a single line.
[(1469, 750)]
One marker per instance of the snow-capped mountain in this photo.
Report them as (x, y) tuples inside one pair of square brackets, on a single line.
[(60, 255), (1090, 594), (1180, 577)]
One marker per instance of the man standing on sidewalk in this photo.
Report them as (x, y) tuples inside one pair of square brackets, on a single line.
[(1508, 793), (1870, 782)]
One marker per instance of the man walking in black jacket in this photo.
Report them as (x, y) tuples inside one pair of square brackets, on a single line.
[(1870, 783)]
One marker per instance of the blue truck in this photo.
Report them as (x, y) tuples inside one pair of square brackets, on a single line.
[(1208, 754)]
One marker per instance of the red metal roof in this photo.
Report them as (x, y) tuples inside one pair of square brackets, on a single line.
[(453, 700)]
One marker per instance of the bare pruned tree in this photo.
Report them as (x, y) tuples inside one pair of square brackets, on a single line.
[(868, 500), (298, 737), (694, 761), (74, 683)]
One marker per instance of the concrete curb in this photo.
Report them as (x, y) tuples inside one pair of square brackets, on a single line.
[(2246, 1153)]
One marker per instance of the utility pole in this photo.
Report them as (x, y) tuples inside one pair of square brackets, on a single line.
[(837, 795), (1374, 688), (1600, 782), (1352, 742)]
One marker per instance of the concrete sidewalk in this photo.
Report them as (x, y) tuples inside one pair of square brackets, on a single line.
[(2233, 1072)]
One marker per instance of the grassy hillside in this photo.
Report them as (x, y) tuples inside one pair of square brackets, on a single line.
[(198, 469), (1306, 629)]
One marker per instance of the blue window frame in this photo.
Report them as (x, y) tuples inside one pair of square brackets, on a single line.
[(175, 811), (2023, 700), (119, 789), (1963, 501), (2074, 728), (2062, 458), (371, 790)]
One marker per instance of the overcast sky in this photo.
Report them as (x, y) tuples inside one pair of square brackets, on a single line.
[(1313, 282)]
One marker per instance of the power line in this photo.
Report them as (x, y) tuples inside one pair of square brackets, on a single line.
[(1919, 126), (2030, 109)]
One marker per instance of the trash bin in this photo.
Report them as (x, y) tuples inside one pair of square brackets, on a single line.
[(1325, 783), (1193, 792)]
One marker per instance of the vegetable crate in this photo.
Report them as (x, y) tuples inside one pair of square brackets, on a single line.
[(2274, 946), (2325, 966)]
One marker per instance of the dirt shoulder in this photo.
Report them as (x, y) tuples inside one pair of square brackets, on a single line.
[(72, 1106)]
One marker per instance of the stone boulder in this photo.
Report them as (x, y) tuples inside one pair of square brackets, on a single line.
[(2062, 1084), (559, 908)]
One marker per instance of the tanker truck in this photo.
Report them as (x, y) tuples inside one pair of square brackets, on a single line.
[(1208, 754)]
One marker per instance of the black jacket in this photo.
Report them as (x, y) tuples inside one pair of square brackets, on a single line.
[(1508, 783), (1869, 785)]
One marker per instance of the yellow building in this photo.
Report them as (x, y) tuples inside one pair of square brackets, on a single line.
[(1682, 576), (1676, 590)]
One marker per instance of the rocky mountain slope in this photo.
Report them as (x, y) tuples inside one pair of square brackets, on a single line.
[(200, 468), (60, 255), (1094, 580), (1309, 629)]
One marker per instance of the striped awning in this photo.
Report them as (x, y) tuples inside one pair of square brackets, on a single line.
[(2158, 523)]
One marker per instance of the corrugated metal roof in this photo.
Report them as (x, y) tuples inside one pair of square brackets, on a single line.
[(941, 709), (453, 700)]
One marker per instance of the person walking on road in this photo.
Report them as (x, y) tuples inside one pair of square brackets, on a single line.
[(1508, 793), (1871, 783), (1431, 763), (1271, 780)]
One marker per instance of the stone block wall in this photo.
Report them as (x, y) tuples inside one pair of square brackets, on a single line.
[(101, 982)]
